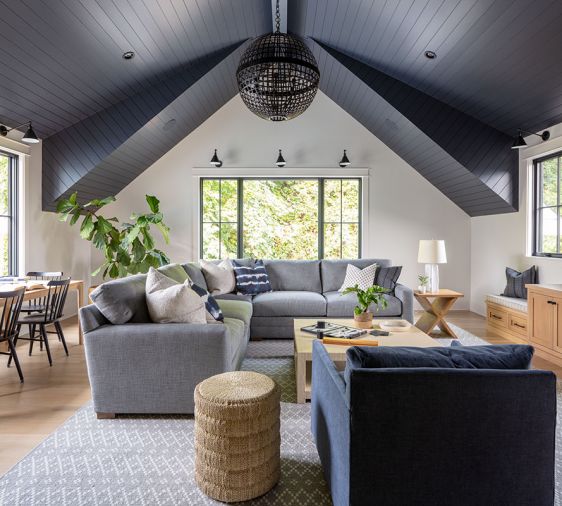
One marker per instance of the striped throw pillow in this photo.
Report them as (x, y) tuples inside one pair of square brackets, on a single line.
[(251, 280)]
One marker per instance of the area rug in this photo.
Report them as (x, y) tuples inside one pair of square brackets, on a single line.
[(149, 460)]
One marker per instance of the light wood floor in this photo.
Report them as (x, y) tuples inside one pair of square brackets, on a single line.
[(50, 395)]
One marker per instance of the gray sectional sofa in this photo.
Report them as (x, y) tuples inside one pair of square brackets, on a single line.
[(136, 366)]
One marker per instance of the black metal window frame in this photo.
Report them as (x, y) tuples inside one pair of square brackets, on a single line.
[(240, 210), (538, 207), (12, 212)]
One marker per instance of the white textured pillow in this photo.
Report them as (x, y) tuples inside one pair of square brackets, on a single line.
[(220, 278), (172, 302), (364, 278)]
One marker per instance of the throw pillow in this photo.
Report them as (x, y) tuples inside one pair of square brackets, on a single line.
[(363, 278), (504, 356), (220, 278), (175, 272), (516, 282), (251, 280), (171, 302), (214, 313), (387, 277)]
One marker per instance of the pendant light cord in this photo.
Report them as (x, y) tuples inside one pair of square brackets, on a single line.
[(277, 17)]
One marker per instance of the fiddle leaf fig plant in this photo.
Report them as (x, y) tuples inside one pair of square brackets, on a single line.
[(128, 248), (374, 294)]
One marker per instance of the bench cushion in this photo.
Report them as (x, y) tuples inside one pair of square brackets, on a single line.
[(509, 302)]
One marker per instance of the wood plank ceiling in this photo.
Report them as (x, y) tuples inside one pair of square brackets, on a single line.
[(102, 118)]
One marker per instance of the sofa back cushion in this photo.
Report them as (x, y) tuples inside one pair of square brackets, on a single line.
[(333, 271), (294, 275), (505, 356), (122, 300)]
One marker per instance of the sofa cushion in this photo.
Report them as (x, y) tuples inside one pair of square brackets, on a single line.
[(294, 275), (175, 272), (251, 280), (504, 356), (238, 309), (195, 274), (339, 305), (122, 300), (333, 271), (289, 303), (234, 296), (171, 302), (220, 278), (237, 341)]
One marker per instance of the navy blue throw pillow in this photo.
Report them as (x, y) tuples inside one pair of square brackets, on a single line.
[(251, 280), (211, 304), (503, 356), (516, 282)]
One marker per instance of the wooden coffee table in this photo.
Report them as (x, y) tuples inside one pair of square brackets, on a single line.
[(304, 340)]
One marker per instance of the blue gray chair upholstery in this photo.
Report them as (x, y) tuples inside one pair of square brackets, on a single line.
[(434, 436)]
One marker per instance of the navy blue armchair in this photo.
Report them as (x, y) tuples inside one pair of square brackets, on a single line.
[(434, 436)]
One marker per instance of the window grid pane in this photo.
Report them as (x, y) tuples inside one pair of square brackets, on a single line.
[(280, 218), (8, 218), (548, 207)]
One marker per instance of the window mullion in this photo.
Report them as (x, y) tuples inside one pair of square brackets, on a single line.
[(321, 218)]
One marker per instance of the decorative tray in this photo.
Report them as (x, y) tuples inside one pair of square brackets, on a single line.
[(395, 325)]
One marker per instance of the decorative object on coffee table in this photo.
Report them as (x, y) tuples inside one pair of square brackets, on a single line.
[(436, 305), (374, 294), (432, 253), (237, 435), (424, 281), (395, 325)]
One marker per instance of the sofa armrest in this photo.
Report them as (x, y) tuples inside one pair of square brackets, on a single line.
[(151, 367), (331, 420), (91, 318), (406, 296)]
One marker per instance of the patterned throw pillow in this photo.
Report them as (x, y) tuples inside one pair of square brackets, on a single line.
[(214, 313), (363, 278), (251, 280), (387, 277)]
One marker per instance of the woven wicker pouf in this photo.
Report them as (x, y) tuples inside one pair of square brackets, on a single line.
[(237, 439)]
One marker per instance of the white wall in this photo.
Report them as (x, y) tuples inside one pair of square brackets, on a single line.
[(46, 244), (502, 241), (403, 206)]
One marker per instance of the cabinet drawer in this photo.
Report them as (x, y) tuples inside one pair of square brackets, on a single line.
[(497, 317), (518, 325)]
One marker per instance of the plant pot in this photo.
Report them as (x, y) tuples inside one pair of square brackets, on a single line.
[(364, 320), (422, 289)]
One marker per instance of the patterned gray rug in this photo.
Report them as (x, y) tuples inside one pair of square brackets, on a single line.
[(150, 460)]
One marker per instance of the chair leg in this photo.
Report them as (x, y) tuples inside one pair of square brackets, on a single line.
[(31, 337), (14, 343), (13, 354), (46, 341), (60, 333)]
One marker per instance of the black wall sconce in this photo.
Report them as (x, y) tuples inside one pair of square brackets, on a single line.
[(519, 142), (344, 162), (215, 160), (29, 136), (280, 160)]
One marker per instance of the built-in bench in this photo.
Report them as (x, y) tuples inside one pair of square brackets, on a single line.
[(507, 316)]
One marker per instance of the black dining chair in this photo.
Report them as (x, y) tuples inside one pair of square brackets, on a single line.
[(38, 305), (54, 305), (11, 306)]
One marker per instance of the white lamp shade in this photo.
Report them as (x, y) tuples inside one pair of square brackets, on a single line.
[(432, 251)]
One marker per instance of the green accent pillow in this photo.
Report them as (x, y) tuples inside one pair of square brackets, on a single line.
[(175, 272)]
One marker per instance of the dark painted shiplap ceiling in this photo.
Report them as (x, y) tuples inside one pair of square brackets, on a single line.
[(102, 118)]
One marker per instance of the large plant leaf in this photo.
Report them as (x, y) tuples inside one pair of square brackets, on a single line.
[(165, 231), (153, 203), (87, 227)]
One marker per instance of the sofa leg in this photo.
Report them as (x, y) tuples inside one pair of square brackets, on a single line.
[(105, 416)]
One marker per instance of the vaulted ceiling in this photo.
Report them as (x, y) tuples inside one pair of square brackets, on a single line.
[(104, 120)]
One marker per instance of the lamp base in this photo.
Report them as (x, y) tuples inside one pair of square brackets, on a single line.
[(432, 272)]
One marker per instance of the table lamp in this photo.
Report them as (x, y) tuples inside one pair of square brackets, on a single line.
[(432, 253)]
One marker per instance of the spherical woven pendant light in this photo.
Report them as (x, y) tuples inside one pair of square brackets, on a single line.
[(277, 76)]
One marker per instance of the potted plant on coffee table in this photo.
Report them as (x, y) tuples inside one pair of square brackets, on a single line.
[(374, 294)]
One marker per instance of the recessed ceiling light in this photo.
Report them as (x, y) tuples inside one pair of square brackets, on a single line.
[(431, 55), (128, 55)]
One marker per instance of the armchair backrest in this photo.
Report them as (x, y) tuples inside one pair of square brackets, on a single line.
[(427, 432)]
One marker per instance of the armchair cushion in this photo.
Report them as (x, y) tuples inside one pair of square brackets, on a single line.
[(509, 356)]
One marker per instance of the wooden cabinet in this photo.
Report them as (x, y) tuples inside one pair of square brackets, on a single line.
[(507, 322), (545, 320)]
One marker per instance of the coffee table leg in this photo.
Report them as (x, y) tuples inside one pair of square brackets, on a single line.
[(300, 372)]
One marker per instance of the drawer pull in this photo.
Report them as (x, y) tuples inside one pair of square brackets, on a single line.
[(518, 325), (496, 317), (552, 302)]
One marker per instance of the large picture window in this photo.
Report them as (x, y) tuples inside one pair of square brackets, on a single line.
[(299, 218), (8, 214), (547, 199)]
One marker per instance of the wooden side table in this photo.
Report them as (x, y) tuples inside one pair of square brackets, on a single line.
[(436, 305)]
